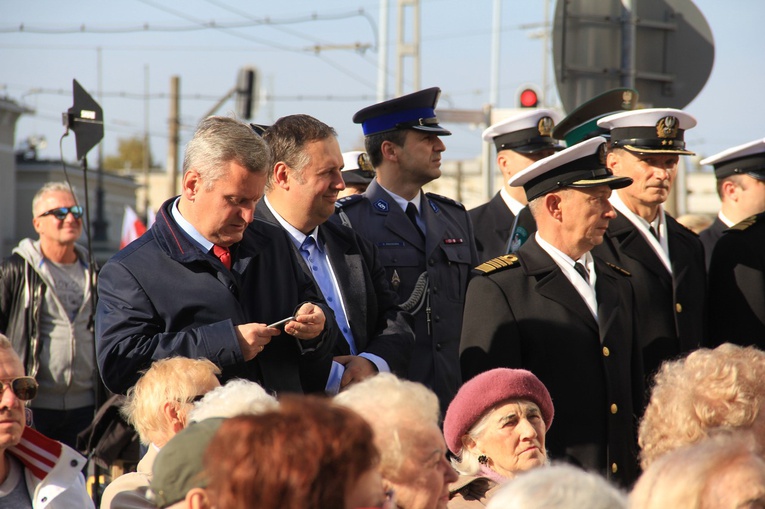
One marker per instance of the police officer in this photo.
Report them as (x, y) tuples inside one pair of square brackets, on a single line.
[(740, 174), (666, 260), (521, 140), (425, 241), (565, 315)]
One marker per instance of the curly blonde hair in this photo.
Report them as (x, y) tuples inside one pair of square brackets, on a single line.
[(706, 391)]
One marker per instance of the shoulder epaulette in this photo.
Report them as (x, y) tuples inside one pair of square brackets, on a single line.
[(746, 223), (348, 200), (444, 199), (623, 272), (498, 263)]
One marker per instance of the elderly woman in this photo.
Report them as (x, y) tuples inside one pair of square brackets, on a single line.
[(404, 416), (495, 427), (310, 453), (720, 472), (705, 392)]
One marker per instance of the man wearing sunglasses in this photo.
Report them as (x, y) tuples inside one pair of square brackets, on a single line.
[(35, 471), (45, 310)]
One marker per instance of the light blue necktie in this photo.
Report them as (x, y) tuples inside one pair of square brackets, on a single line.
[(316, 258)]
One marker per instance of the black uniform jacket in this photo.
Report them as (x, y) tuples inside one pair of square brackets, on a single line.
[(492, 223), (737, 285), (447, 255), (162, 296), (670, 311), (379, 326), (709, 238), (530, 316)]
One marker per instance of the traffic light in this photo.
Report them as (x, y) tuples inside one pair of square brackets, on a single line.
[(247, 92), (528, 98)]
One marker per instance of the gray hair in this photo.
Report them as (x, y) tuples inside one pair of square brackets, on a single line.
[(288, 137), (685, 477), (221, 140), (392, 407), (236, 397), (50, 187), (560, 486)]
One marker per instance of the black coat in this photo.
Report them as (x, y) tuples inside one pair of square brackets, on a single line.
[(737, 285), (670, 311), (162, 296), (378, 324), (530, 316), (709, 238), (447, 256), (492, 222)]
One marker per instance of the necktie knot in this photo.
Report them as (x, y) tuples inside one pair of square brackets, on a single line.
[(653, 232), (582, 271), (411, 213), (223, 254)]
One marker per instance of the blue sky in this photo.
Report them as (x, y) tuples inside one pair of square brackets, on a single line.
[(37, 68)]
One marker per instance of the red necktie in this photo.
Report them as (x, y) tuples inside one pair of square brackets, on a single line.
[(223, 254)]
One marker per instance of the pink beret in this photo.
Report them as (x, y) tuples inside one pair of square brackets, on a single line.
[(483, 392)]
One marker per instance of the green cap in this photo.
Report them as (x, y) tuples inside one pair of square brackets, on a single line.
[(179, 465)]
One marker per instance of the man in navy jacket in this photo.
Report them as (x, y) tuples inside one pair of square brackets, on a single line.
[(204, 282)]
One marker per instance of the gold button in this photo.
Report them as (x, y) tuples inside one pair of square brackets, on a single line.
[(606, 351), (679, 307), (614, 468), (614, 408)]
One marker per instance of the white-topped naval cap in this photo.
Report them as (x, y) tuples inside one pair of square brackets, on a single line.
[(648, 131), (583, 165), (526, 131), (748, 158)]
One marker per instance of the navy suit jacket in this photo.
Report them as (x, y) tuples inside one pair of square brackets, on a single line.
[(378, 324), (162, 296)]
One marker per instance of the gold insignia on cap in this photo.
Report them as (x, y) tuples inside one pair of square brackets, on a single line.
[(545, 126), (667, 127), (364, 162), (627, 100)]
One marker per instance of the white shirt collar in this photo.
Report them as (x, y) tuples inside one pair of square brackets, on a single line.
[(661, 245), (296, 235), (727, 222), (566, 263), (204, 244), (514, 205), (403, 202)]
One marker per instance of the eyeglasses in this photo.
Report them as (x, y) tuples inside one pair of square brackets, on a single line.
[(61, 212), (23, 387)]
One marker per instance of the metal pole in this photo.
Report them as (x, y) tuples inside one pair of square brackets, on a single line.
[(172, 146), (100, 224), (487, 165), (382, 52), (146, 155), (629, 28)]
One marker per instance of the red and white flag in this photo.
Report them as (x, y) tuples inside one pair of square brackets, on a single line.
[(132, 227)]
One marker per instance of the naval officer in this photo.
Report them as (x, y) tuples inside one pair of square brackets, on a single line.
[(563, 314), (521, 140)]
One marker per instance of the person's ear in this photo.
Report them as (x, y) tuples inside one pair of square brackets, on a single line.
[(196, 498), (191, 184), (389, 151), (282, 173)]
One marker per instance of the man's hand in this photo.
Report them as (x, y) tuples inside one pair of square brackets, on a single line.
[(253, 337), (356, 369), (308, 323)]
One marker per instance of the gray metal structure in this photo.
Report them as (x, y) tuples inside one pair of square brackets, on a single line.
[(662, 48)]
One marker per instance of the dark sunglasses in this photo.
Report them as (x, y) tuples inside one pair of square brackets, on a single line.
[(61, 212), (23, 387)]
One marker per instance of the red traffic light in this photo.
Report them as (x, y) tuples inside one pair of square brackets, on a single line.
[(528, 98)]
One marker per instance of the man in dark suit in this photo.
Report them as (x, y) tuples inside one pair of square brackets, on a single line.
[(300, 196), (565, 315), (521, 139), (666, 260), (425, 241), (737, 285), (200, 283), (740, 174)]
